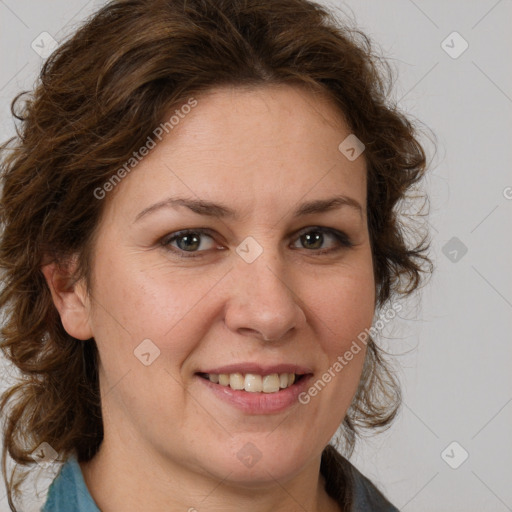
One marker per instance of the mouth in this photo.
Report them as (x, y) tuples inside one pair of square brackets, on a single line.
[(255, 382), (256, 388)]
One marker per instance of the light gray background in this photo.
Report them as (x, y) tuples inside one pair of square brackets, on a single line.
[(455, 342)]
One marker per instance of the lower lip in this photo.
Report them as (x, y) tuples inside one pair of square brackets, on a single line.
[(259, 403)]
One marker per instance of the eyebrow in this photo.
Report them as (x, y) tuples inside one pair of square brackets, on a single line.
[(216, 210)]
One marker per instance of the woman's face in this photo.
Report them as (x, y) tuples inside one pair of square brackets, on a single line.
[(263, 283)]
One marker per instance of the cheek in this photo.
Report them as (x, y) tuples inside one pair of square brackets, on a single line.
[(157, 302), (131, 307), (345, 308), (344, 311)]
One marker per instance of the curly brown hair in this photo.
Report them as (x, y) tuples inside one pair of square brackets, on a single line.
[(99, 96)]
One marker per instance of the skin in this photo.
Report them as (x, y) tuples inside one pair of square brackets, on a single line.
[(169, 443)]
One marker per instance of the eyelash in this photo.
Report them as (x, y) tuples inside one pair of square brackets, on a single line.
[(342, 238)]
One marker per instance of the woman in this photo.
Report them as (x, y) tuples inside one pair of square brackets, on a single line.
[(199, 230)]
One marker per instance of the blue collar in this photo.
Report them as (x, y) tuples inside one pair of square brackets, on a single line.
[(68, 492)]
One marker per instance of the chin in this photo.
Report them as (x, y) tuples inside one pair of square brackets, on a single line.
[(257, 465)]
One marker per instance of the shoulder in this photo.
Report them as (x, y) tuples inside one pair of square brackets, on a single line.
[(367, 498), (68, 491), (349, 487)]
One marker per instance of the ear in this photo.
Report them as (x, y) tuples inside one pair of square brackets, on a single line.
[(70, 299)]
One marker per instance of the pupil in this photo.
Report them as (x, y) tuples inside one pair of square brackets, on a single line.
[(317, 237), (188, 238)]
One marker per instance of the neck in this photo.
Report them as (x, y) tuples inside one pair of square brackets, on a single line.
[(129, 480)]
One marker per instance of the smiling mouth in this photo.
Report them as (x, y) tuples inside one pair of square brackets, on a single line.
[(253, 382)]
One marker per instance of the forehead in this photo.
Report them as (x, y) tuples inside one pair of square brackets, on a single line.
[(252, 147)]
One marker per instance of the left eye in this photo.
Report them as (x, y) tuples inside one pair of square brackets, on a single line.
[(191, 241), (316, 236)]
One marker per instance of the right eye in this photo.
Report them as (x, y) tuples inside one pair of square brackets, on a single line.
[(188, 241)]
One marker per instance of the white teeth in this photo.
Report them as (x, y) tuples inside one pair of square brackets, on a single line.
[(224, 379), (236, 381), (271, 383), (254, 383)]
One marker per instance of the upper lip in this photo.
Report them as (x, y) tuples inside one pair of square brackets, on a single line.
[(259, 369)]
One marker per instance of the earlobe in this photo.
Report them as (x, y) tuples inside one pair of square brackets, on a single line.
[(70, 299)]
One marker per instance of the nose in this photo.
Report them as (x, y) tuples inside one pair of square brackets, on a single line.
[(262, 302)]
